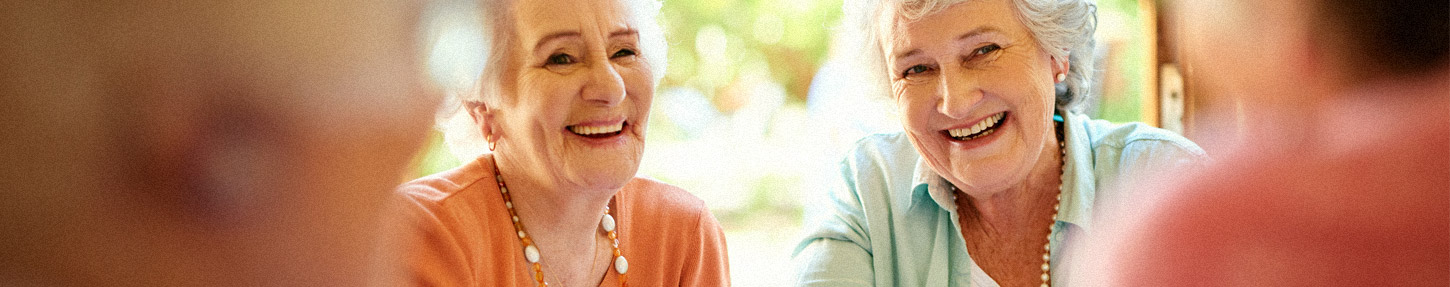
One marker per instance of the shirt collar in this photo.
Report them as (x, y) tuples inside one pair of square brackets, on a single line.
[(1079, 186)]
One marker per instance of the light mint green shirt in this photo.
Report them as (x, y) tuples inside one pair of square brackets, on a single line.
[(891, 221)]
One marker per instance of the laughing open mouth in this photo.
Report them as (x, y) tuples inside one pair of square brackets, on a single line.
[(598, 131), (981, 129)]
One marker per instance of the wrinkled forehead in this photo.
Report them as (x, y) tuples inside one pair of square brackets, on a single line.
[(899, 20), (538, 18)]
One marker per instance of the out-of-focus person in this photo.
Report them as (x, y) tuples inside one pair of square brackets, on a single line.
[(562, 105), (206, 143), (996, 168), (1343, 173)]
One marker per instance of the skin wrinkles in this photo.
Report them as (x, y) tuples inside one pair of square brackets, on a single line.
[(960, 66), (574, 64)]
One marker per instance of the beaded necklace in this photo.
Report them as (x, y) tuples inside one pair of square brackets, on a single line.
[(531, 252), (1052, 228)]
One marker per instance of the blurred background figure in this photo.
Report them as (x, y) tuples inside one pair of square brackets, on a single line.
[(216, 143), (1341, 175)]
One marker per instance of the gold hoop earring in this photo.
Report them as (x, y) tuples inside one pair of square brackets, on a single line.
[(492, 145)]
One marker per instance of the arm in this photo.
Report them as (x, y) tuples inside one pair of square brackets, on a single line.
[(712, 266), (837, 248), (432, 254)]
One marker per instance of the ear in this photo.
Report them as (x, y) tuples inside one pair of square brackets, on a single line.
[(1060, 65), (482, 116)]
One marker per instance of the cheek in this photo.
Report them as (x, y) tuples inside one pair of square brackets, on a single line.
[(546, 89), (1025, 87), (639, 86), (916, 105)]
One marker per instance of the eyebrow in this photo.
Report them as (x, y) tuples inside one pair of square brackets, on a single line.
[(969, 34), (553, 36), (624, 33), (977, 31), (567, 34)]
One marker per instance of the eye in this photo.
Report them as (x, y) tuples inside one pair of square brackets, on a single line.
[(623, 53), (913, 70), (560, 59), (988, 49)]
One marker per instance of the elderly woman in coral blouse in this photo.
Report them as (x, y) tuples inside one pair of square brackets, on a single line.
[(563, 105), (995, 169)]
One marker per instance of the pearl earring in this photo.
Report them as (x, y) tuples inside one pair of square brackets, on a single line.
[(1061, 77)]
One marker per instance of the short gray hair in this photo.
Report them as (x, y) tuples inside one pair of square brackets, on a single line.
[(1063, 28), (462, 135)]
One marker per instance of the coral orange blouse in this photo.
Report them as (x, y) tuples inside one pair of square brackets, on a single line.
[(462, 235)]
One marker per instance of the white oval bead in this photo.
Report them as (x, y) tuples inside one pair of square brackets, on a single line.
[(508, 204), (620, 264), (1045, 277), (521, 234), (607, 222), (531, 253)]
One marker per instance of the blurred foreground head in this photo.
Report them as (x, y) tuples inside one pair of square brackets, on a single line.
[(203, 143), (1342, 177), (1280, 55)]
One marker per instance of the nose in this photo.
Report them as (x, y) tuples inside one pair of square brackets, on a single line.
[(958, 94), (605, 85)]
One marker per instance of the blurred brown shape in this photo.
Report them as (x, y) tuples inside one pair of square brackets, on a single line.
[(207, 143)]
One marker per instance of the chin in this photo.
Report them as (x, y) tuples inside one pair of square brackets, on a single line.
[(606, 174), (987, 175)]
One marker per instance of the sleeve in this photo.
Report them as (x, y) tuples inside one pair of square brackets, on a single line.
[(1145, 170), (712, 267), (1152, 164), (430, 250), (836, 250), (1157, 156)]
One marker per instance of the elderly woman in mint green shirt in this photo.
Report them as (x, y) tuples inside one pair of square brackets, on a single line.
[(995, 170)]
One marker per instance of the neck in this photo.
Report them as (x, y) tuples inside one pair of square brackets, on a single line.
[(564, 223), (1019, 208), (551, 208)]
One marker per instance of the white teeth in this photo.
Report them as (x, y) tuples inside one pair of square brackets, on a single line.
[(592, 130), (977, 128)]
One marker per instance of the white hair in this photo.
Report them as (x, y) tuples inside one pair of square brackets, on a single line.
[(461, 133), (1063, 28)]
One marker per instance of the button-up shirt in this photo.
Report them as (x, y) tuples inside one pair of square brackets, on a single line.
[(890, 220)]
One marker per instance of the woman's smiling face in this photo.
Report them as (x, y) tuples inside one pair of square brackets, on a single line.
[(577, 94), (976, 93)]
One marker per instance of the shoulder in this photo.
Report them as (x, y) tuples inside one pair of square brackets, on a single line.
[(1134, 135), (1316, 207), (439, 188), (883, 147), (880, 155), (659, 201)]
